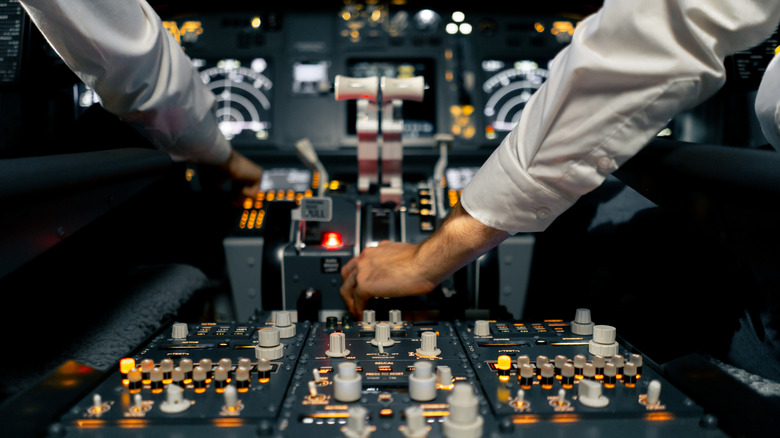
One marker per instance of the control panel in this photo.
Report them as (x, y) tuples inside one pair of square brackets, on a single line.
[(386, 377)]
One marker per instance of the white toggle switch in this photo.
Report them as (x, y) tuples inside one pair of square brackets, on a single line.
[(653, 393), (582, 324), (428, 344), (590, 394), (382, 335), (231, 398), (347, 383), (338, 345)]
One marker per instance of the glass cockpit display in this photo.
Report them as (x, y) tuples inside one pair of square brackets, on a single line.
[(243, 92), (508, 86)]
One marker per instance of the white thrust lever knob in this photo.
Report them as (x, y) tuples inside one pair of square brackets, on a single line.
[(347, 88), (402, 89)]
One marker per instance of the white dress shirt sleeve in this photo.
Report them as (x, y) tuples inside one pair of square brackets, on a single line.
[(121, 50), (630, 68), (768, 103)]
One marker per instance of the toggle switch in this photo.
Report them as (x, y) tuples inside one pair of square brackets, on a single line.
[(444, 377), (428, 344), (653, 393)]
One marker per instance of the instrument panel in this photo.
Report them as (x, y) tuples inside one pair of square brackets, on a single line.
[(272, 69)]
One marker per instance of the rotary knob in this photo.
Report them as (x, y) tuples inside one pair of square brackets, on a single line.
[(269, 345), (603, 342), (283, 322)]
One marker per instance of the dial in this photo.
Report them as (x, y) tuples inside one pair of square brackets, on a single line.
[(507, 91), (243, 97)]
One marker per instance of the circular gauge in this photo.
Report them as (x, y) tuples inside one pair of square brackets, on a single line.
[(508, 90), (243, 105)]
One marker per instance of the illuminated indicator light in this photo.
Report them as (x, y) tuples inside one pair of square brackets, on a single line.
[(329, 415), (387, 412), (334, 185), (451, 28), (228, 422), (458, 16), (346, 15), (126, 364), (332, 241), (525, 419), (256, 22), (777, 50), (428, 414), (376, 15), (539, 27), (659, 416), (173, 29), (465, 28), (565, 418), (560, 27), (248, 203), (448, 54)]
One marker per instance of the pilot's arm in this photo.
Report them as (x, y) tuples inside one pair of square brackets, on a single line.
[(630, 68), (121, 50)]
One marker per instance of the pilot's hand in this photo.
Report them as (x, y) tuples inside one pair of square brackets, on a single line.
[(242, 171), (387, 270)]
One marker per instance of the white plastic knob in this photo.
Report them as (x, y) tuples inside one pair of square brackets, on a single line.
[(268, 345), (444, 375), (428, 344), (356, 426), (348, 88), (481, 327), (603, 342), (179, 330), (464, 420), (338, 345), (422, 382), (590, 394), (394, 317), (347, 383), (582, 324), (415, 426), (283, 322), (369, 317), (174, 400), (382, 335)]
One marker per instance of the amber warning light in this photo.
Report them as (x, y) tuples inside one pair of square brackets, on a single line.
[(332, 241)]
